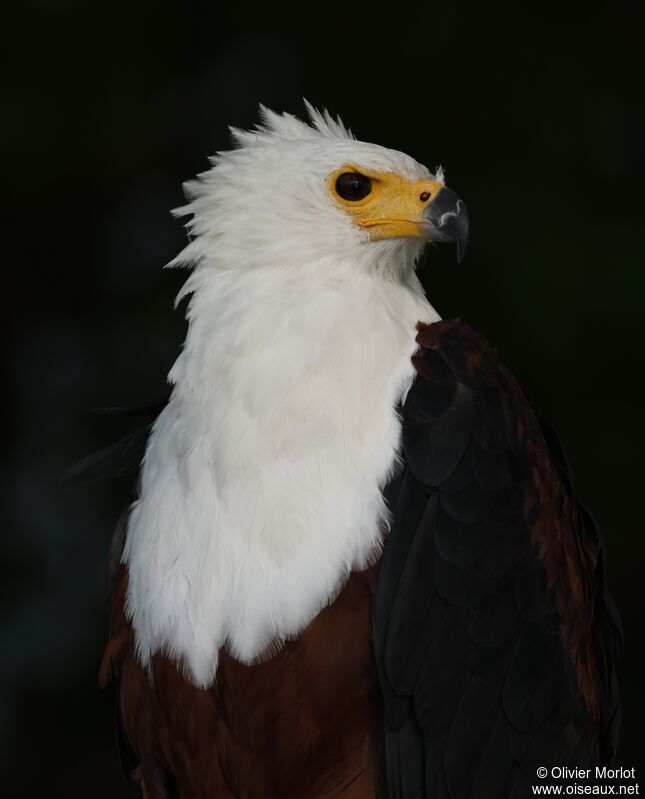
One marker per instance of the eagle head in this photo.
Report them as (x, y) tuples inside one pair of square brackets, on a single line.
[(297, 193)]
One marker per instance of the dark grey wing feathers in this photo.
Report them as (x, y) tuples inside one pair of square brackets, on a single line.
[(482, 681)]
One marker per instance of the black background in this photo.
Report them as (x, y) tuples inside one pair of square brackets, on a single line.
[(536, 113)]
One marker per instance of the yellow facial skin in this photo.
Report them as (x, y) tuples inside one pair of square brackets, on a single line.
[(393, 208)]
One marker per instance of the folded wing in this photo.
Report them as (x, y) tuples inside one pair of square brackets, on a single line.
[(496, 641)]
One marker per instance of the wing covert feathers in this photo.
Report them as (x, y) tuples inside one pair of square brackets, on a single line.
[(495, 639)]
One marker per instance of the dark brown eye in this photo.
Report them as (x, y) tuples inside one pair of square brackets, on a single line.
[(353, 186)]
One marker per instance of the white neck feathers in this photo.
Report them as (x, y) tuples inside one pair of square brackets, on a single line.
[(261, 485)]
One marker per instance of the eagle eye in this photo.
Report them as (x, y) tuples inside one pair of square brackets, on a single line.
[(353, 186)]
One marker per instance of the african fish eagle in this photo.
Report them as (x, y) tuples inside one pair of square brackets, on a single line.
[(355, 566)]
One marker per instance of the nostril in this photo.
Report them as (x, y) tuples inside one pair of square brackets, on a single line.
[(425, 196)]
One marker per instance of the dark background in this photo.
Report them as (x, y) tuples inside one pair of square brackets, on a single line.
[(536, 113)]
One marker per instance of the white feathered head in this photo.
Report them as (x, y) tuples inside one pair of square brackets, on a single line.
[(293, 193)]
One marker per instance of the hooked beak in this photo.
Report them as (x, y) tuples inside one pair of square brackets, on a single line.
[(446, 218)]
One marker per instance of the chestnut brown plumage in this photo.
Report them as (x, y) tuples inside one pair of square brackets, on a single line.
[(303, 723)]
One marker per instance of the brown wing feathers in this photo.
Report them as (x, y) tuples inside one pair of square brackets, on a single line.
[(496, 643), (568, 548)]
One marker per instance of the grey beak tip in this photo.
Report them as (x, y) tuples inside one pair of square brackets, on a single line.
[(448, 213)]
